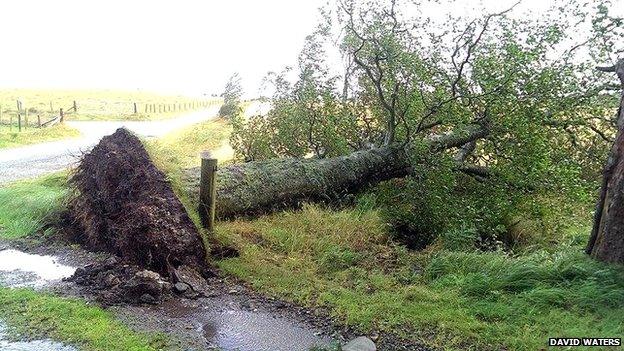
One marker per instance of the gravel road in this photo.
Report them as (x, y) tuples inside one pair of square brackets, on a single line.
[(35, 160)]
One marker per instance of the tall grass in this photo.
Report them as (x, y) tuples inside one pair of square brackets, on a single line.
[(25, 205), (449, 299)]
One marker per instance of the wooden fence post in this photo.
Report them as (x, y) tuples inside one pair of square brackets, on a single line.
[(75, 107), (207, 190), (135, 108), (39, 121), (62, 115), (19, 122), (51, 108), (25, 118)]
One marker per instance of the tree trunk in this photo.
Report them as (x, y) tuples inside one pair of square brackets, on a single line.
[(262, 186), (606, 242)]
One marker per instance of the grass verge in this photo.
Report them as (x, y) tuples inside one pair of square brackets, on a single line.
[(71, 321), (453, 300), (10, 137), (25, 205)]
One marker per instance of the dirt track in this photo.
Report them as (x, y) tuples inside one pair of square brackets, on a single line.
[(35, 160)]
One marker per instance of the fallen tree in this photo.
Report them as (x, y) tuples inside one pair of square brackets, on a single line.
[(262, 186)]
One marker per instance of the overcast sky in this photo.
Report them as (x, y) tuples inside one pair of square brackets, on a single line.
[(181, 46)]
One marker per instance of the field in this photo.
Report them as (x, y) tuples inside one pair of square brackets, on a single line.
[(10, 137), (96, 104)]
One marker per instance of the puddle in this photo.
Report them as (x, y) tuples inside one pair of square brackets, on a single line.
[(35, 345), (257, 331), (223, 323), (219, 322), (20, 269)]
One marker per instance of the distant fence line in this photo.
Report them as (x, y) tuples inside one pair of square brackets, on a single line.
[(22, 117)]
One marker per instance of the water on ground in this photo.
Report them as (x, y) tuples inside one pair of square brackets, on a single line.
[(19, 269)]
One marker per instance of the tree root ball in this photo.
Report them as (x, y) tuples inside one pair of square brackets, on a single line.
[(125, 205)]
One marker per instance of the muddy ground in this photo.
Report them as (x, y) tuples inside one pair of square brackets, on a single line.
[(231, 315)]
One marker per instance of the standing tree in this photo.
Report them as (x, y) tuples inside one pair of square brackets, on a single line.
[(607, 238), (231, 98)]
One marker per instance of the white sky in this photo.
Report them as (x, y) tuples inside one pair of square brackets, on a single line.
[(182, 46)]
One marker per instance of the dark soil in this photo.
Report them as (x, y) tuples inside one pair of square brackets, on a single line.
[(125, 206)]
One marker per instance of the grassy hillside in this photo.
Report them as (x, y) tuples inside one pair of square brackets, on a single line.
[(96, 104)]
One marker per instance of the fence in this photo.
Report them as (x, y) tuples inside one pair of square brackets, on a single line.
[(21, 117)]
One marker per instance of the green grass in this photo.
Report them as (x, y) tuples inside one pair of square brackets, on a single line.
[(95, 104), (10, 137), (179, 150), (453, 300), (25, 205), (72, 321)]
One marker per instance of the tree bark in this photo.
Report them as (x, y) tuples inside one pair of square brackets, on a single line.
[(606, 242), (263, 186)]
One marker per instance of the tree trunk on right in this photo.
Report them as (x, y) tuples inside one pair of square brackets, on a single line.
[(606, 242)]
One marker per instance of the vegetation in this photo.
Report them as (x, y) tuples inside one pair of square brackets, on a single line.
[(72, 321), (506, 124), (449, 298), (489, 116), (26, 206), (93, 104), (10, 137), (456, 294), (232, 93)]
